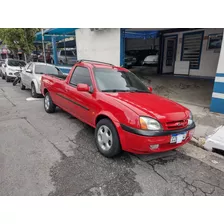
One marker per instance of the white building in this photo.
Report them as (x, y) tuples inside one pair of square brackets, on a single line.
[(189, 52)]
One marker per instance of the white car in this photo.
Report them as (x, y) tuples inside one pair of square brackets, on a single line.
[(151, 60), (31, 76), (10, 67)]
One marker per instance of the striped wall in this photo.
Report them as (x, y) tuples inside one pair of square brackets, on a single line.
[(217, 102)]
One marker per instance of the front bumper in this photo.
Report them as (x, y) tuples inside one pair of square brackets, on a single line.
[(139, 141), (12, 74)]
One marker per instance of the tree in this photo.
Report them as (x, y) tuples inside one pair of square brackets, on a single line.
[(19, 38)]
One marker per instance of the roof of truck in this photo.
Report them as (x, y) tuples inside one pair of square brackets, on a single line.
[(99, 64)]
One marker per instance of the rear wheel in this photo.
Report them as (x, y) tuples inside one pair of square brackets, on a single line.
[(22, 87), (49, 106), (3, 77), (107, 139)]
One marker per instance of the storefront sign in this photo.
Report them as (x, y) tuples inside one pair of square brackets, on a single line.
[(214, 41)]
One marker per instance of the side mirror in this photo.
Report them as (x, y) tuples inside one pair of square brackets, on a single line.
[(28, 71), (83, 87), (150, 89), (5, 66)]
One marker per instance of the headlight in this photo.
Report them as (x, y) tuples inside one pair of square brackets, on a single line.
[(147, 123), (190, 120)]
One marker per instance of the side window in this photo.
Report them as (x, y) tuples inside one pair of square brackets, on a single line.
[(81, 75), (62, 53)]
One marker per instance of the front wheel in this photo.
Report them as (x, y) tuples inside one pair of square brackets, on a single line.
[(107, 139), (49, 106)]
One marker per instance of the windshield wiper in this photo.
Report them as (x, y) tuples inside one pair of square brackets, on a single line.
[(115, 90), (139, 91)]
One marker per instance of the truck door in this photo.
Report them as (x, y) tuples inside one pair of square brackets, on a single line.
[(81, 103)]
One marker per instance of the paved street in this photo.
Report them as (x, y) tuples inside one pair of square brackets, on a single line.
[(55, 154)]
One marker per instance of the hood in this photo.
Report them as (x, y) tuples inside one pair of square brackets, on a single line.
[(151, 57), (15, 68), (152, 105)]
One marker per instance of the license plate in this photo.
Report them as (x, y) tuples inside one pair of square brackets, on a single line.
[(178, 138)]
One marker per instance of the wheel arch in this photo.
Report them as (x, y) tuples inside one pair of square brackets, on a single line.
[(45, 91), (107, 115), (34, 81)]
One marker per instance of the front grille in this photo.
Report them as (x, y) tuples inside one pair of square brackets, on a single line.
[(176, 124)]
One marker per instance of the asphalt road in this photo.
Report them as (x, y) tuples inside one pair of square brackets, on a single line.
[(55, 154)]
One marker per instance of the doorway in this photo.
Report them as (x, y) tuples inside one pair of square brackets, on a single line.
[(169, 54)]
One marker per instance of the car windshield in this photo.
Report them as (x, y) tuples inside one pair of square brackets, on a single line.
[(47, 69), (111, 80), (16, 63)]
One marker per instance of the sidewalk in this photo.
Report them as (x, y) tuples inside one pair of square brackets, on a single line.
[(205, 120)]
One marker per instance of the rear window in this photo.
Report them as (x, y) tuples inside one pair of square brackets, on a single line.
[(46, 69), (68, 53)]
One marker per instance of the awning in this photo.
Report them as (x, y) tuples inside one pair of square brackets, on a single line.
[(141, 34), (58, 33)]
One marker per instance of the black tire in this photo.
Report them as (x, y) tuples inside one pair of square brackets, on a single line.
[(3, 76), (16, 80), (22, 87), (51, 107), (7, 78), (33, 91), (115, 148)]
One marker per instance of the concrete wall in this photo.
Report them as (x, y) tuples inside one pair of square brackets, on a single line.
[(98, 45), (217, 104), (209, 59)]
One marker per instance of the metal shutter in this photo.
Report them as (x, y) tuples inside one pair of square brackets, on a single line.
[(191, 49)]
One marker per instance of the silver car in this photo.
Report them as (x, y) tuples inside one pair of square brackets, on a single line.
[(67, 57), (32, 73)]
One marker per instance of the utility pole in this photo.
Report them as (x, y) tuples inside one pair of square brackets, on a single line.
[(42, 31)]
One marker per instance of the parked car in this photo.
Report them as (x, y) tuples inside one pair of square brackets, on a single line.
[(67, 57), (129, 61), (48, 55), (2, 62), (31, 76), (34, 56), (10, 67), (124, 112), (151, 59)]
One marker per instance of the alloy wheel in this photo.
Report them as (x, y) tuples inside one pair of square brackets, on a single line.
[(104, 138)]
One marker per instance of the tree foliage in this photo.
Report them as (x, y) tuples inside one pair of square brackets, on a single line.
[(19, 38)]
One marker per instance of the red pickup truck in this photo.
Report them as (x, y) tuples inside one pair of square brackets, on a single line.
[(125, 113)]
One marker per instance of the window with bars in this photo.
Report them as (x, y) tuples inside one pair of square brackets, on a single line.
[(191, 48)]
